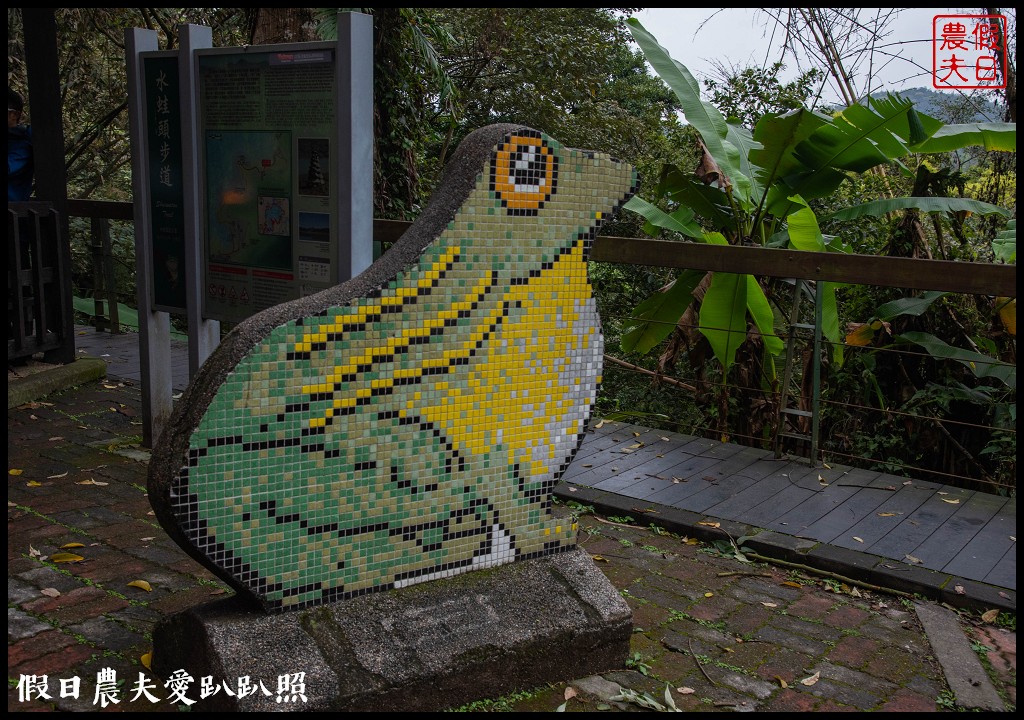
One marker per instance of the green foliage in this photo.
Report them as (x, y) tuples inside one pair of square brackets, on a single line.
[(749, 94), (794, 182)]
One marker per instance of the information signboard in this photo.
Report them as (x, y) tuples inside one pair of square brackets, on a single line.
[(266, 133)]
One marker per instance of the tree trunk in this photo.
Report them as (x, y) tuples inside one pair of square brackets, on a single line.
[(283, 25)]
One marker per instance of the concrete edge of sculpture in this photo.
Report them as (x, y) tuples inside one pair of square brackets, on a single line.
[(409, 424), (429, 647)]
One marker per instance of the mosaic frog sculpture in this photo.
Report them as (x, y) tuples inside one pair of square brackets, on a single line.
[(408, 424)]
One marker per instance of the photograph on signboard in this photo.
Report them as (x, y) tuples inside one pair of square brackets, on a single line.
[(315, 227), (274, 217), (314, 167)]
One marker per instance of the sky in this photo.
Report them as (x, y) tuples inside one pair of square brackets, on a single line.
[(743, 36)]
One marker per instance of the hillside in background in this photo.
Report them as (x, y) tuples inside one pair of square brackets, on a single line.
[(952, 107)]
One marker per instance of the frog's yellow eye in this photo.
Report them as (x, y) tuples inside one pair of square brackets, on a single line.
[(524, 173)]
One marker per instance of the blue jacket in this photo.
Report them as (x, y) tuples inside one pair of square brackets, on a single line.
[(20, 164)]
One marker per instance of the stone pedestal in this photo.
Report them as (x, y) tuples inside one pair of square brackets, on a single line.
[(431, 646)]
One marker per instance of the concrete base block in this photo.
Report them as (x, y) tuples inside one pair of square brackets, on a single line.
[(431, 646)]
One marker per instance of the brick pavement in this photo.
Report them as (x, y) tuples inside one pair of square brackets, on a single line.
[(741, 636)]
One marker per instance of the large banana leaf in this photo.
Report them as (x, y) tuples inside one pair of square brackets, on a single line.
[(707, 201), (656, 317), (830, 318), (804, 232), (761, 312), (1005, 243), (703, 116), (723, 316), (779, 135), (908, 306), (878, 208), (681, 220), (857, 139), (981, 365), (993, 136)]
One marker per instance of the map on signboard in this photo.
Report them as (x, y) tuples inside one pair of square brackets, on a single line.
[(248, 182)]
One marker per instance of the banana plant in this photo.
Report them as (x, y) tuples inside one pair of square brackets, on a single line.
[(756, 187)]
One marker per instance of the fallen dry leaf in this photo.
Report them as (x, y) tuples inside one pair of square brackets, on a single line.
[(34, 483), (990, 616), (769, 604), (790, 583), (54, 477), (912, 559), (90, 481), (50, 592), (858, 539), (146, 660), (710, 524), (55, 438), (812, 679), (685, 690), (141, 584), (599, 558), (570, 693), (32, 552), (782, 683), (68, 546), (709, 594), (952, 501), (15, 471), (888, 514), (66, 557), (960, 590)]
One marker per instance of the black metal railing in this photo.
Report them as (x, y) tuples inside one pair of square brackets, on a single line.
[(38, 284)]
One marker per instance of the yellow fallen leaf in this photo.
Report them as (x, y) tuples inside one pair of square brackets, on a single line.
[(952, 501), (599, 558), (708, 594), (690, 541), (146, 660), (141, 584), (826, 466), (34, 483), (790, 583), (990, 616), (710, 524), (812, 679), (15, 471), (66, 557), (782, 683), (68, 546), (887, 514)]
